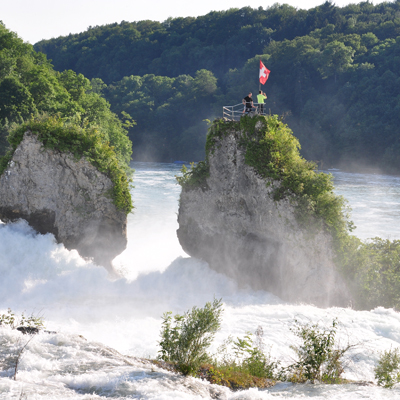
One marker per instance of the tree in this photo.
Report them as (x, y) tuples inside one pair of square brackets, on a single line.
[(335, 58)]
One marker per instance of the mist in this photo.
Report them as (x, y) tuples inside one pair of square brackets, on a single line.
[(77, 297)]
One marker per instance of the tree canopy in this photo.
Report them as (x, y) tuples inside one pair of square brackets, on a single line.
[(335, 75), (29, 86), (64, 110)]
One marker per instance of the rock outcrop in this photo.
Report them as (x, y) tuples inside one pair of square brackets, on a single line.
[(233, 223), (58, 194)]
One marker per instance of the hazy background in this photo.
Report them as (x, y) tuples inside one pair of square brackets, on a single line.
[(45, 19)]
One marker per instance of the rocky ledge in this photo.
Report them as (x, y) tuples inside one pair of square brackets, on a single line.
[(232, 221), (69, 198)]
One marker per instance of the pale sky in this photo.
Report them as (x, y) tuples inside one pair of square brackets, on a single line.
[(34, 20)]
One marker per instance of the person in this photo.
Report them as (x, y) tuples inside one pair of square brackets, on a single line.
[(248, 103), (260, 100)]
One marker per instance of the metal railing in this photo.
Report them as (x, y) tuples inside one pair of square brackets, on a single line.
[(233, 113)]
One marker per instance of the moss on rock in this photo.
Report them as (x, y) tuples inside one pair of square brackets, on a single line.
[(57, 134)]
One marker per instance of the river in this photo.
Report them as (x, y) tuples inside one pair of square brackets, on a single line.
[(100, 326)]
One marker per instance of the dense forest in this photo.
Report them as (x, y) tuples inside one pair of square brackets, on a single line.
[(335, 77), (31, 89)]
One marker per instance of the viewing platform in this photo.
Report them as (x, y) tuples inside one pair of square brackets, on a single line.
[(233, 113)]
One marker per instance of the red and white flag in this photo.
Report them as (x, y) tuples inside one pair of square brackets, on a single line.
[(264, 73)]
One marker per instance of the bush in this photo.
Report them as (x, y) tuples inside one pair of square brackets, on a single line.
[(377, 273), (242, 363), (195, 176), (13, 321), (252, 357), (319, 360), (387, 372), (186, 338)]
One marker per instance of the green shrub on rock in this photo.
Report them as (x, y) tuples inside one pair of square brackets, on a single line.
[(253, 359), (13, 321), (67, 136), (319, 357), (370, 269), (186, 338), (274, 152), (195, 176), (387, 372)]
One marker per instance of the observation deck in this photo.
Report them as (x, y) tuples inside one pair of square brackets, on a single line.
[(233, 113)]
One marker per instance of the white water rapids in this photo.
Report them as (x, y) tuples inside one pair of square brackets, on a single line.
[(100, 326)]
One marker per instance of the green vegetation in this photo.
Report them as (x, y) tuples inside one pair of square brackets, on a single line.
[(371, 268), (252, 359), (66, 136), (30, 87), (273, 152), (243, 363), (335, 73), (319, 360), (195, 176), (13, 321), (64, 110), (169, 111), (387, 372), (185, 340)]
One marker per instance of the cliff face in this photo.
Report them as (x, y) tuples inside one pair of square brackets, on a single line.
[(56, 194), (233, 223)]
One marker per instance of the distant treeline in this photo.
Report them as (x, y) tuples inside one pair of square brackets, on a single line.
[(335, 74)]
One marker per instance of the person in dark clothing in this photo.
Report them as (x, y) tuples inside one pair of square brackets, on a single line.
[(248, 103)]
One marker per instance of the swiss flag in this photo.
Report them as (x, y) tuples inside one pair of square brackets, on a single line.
[(264, 73)]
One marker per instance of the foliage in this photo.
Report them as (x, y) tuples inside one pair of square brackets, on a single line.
[(185, 338), (371, 268), (67, 136), (4, 160), (178, 105), (233, 376), (13, 321), (374, 269), (216, 41), (273, 151), (29, 87), (195, 176), (319, 360), (334, 71), (252, 357), (241, 363), (387, 372)]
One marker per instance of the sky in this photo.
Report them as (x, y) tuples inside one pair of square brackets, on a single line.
[(34, 20)]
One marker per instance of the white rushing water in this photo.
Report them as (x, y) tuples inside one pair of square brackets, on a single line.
[(100, 326)]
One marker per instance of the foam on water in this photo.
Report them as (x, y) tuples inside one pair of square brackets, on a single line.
[(77, 298)]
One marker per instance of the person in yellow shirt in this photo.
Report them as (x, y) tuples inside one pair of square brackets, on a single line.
[(260, 100)]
